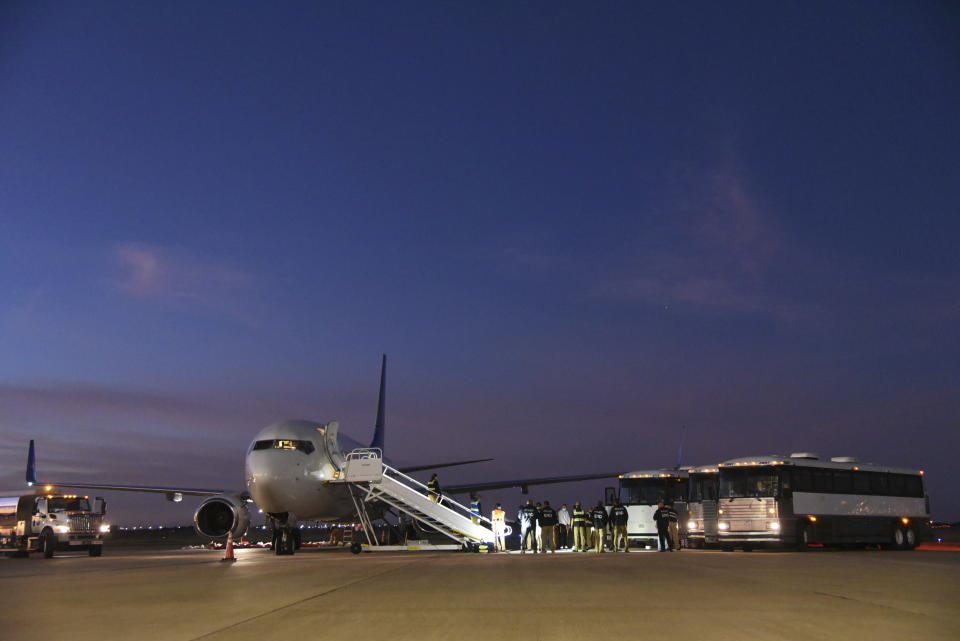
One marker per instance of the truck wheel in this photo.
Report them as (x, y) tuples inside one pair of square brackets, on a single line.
[(48, 541), (356, 547), (96, 550)]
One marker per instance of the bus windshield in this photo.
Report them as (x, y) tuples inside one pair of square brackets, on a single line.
[(748, 483), (61, 504), (651, 491)]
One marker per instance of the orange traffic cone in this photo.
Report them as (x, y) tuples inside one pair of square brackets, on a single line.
[(229, 549)]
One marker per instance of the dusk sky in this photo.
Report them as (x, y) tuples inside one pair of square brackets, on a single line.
[(573, 227)]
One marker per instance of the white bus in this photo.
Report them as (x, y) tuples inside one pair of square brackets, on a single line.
[(799, 500), (640, 492), (701, 518)]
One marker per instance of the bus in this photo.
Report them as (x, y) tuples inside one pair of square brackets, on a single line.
[(800, 500), (701, 520), (640, 492)]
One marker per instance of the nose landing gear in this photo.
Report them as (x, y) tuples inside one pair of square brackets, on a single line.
[(286, 537)]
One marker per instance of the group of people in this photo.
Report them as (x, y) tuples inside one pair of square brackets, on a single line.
[(544, 529)]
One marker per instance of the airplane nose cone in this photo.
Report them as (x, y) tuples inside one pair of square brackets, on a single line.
[(270, 481)]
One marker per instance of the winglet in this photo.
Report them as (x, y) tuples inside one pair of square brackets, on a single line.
[(381, 407), (31, 465)]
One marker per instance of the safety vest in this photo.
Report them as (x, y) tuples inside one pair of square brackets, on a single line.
[(475, 508), (499, 516), (433, 485), (579, 517)]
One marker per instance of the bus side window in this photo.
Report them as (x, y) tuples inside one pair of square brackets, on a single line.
[(861, 482), (802, 480), (914, 486), (878, 483), (843, 481), (822, 480), (897, 486)]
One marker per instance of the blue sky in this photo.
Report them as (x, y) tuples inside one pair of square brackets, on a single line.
[(573, 227)]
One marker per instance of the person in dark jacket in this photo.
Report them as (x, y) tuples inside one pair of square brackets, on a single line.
[(527, 516), (599, 518), (548, 528), (618, 519), (662, 519), (433, 485)]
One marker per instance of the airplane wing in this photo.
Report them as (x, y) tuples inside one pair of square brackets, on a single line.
[(133, 488), (523, 484), (436, 466), (32, 480)]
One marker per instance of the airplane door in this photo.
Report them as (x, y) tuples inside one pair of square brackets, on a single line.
[(332, 444)]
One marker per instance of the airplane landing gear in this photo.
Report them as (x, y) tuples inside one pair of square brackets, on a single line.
[(286, 538)]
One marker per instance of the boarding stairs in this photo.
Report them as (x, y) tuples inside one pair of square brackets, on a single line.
[(371, 480)]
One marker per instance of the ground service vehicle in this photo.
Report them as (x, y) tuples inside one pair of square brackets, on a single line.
[(799, 500), (47, 522), (640, 492), (701, 519)]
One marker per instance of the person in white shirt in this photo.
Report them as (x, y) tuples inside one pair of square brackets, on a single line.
[(563, 527)]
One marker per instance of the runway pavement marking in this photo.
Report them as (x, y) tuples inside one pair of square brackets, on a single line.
[(304, 600)]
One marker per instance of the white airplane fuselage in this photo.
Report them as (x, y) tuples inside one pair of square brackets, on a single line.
[(286, 476)]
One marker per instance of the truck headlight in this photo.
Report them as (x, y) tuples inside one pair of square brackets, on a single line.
[(774, 525), (691, 525), (723, 525), (62, 529), (104, 528)]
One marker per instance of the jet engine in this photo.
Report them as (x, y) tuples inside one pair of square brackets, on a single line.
[(221, 515)]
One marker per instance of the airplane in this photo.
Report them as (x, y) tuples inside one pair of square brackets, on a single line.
[(289, 467)]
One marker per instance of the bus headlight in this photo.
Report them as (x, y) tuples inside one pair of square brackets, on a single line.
[(723, 525), (62, 529), (774, 525), (691, 525), (104, 528)]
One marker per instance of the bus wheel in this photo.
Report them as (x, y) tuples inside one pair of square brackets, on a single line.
[(803, 538), (899, 538), (910, 538), (48, 541)]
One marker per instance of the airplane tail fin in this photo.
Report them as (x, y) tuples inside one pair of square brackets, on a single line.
[(31, 465), (381, 406)]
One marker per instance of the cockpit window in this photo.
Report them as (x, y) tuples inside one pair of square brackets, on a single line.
[(284, 444)]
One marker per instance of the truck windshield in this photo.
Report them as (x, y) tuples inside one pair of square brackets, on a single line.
[(60, 504), (748, 483), (652, 491)]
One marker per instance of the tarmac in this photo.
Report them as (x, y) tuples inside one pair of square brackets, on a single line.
[(692, 595)]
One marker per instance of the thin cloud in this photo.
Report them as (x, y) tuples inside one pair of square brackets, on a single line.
[(723, 259), (174, 278)]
